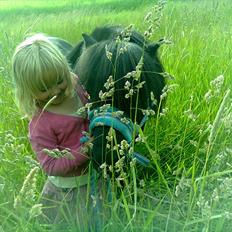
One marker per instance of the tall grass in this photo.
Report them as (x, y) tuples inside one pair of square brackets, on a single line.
[(189, 144)]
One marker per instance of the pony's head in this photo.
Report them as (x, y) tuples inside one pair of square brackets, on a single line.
[(133, 66)]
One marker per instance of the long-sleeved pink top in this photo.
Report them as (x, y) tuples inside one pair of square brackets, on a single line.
[(56, 131)]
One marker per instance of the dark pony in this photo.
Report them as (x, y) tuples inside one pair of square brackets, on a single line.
[(130, 60)]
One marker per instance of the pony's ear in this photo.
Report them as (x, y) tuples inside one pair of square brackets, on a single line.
[(88, 40), (152, 48)]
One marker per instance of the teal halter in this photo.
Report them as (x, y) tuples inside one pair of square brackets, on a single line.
[(110, 118)]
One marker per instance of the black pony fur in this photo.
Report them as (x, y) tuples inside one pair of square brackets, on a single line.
[(90, 62)]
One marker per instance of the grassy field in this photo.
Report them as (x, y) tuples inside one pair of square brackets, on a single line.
[(189, 144)]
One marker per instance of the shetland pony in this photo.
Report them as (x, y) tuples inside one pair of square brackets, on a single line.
[(136, 72)]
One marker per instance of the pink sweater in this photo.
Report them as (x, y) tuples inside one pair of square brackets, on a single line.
[(50, 130)]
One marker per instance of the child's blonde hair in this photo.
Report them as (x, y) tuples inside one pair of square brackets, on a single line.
[(37, 64)]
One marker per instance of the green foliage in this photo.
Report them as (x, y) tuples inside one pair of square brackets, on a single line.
[(189, 184)]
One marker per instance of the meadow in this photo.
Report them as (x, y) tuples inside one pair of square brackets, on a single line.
[(189, 187)]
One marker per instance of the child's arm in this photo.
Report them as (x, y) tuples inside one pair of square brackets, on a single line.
[(42, 137)]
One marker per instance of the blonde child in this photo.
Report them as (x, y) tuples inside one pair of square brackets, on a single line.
[(50, 95)]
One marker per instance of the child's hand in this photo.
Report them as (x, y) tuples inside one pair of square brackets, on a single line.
[(87, 145)]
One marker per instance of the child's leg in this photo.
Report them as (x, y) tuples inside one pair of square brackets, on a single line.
[(51, 200), (65, 207)]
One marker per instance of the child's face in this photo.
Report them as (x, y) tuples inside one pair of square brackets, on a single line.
[(58, 90)]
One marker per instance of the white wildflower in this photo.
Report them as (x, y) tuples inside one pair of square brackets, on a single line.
[(35, 211), (108, 53)]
